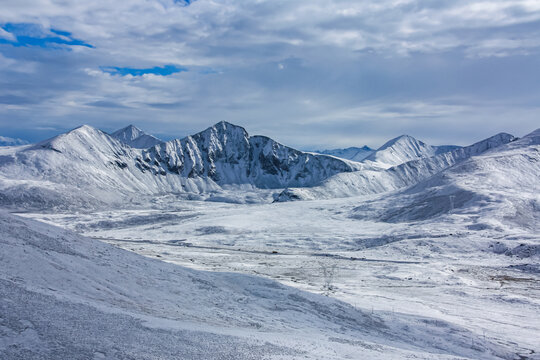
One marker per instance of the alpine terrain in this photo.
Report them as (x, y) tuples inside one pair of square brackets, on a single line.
[(227, 245)]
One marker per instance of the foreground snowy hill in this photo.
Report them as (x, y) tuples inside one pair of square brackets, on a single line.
[(376, 180), (350, 153), (87, 167), (402, 149), (65, 296), (135, 137)]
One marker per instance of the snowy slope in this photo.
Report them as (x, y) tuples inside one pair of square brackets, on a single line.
[(226, 154), (65, 296), (377, 180), (135, 137), (402, 149), (350, 153)]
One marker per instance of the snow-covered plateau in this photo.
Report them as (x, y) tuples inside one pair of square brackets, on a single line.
[(223, 245)]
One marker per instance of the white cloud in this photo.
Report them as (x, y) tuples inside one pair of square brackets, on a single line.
[(6, 35), (345, 61)]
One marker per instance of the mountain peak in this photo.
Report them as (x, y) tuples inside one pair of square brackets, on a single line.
[(402, 149), (227, 126), (400, 139), (79, 132), (225, 131), (135, 137), (83, 128), (82, 139), (225, 154), (130, 132)]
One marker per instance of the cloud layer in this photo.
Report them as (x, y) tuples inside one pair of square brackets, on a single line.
[(309, 73)]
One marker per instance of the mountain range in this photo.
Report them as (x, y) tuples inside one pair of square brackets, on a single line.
[(88, 167)]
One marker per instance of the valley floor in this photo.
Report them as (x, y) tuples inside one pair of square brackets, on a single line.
[(474, 272)]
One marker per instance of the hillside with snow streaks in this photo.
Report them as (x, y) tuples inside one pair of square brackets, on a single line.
[(82, 168), (373, 181)]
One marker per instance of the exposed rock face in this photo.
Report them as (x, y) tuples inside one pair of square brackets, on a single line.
[(226, 154)]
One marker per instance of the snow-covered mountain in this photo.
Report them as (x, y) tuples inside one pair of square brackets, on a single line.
[(402, 149), (7, 141), (350, 153), (135, 137), (87, 166), (502, 180), (226, 154), (378, 180), (84, 167)]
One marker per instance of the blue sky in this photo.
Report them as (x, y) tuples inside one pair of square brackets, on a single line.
[(309, 73)]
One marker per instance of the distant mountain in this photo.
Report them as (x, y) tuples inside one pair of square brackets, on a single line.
[(402, 149), (135, 137), (226, 154), (350, 153), (378, 180), (7, 141), (502, 181)]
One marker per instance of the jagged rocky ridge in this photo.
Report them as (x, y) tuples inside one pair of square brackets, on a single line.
[(226, 154)]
